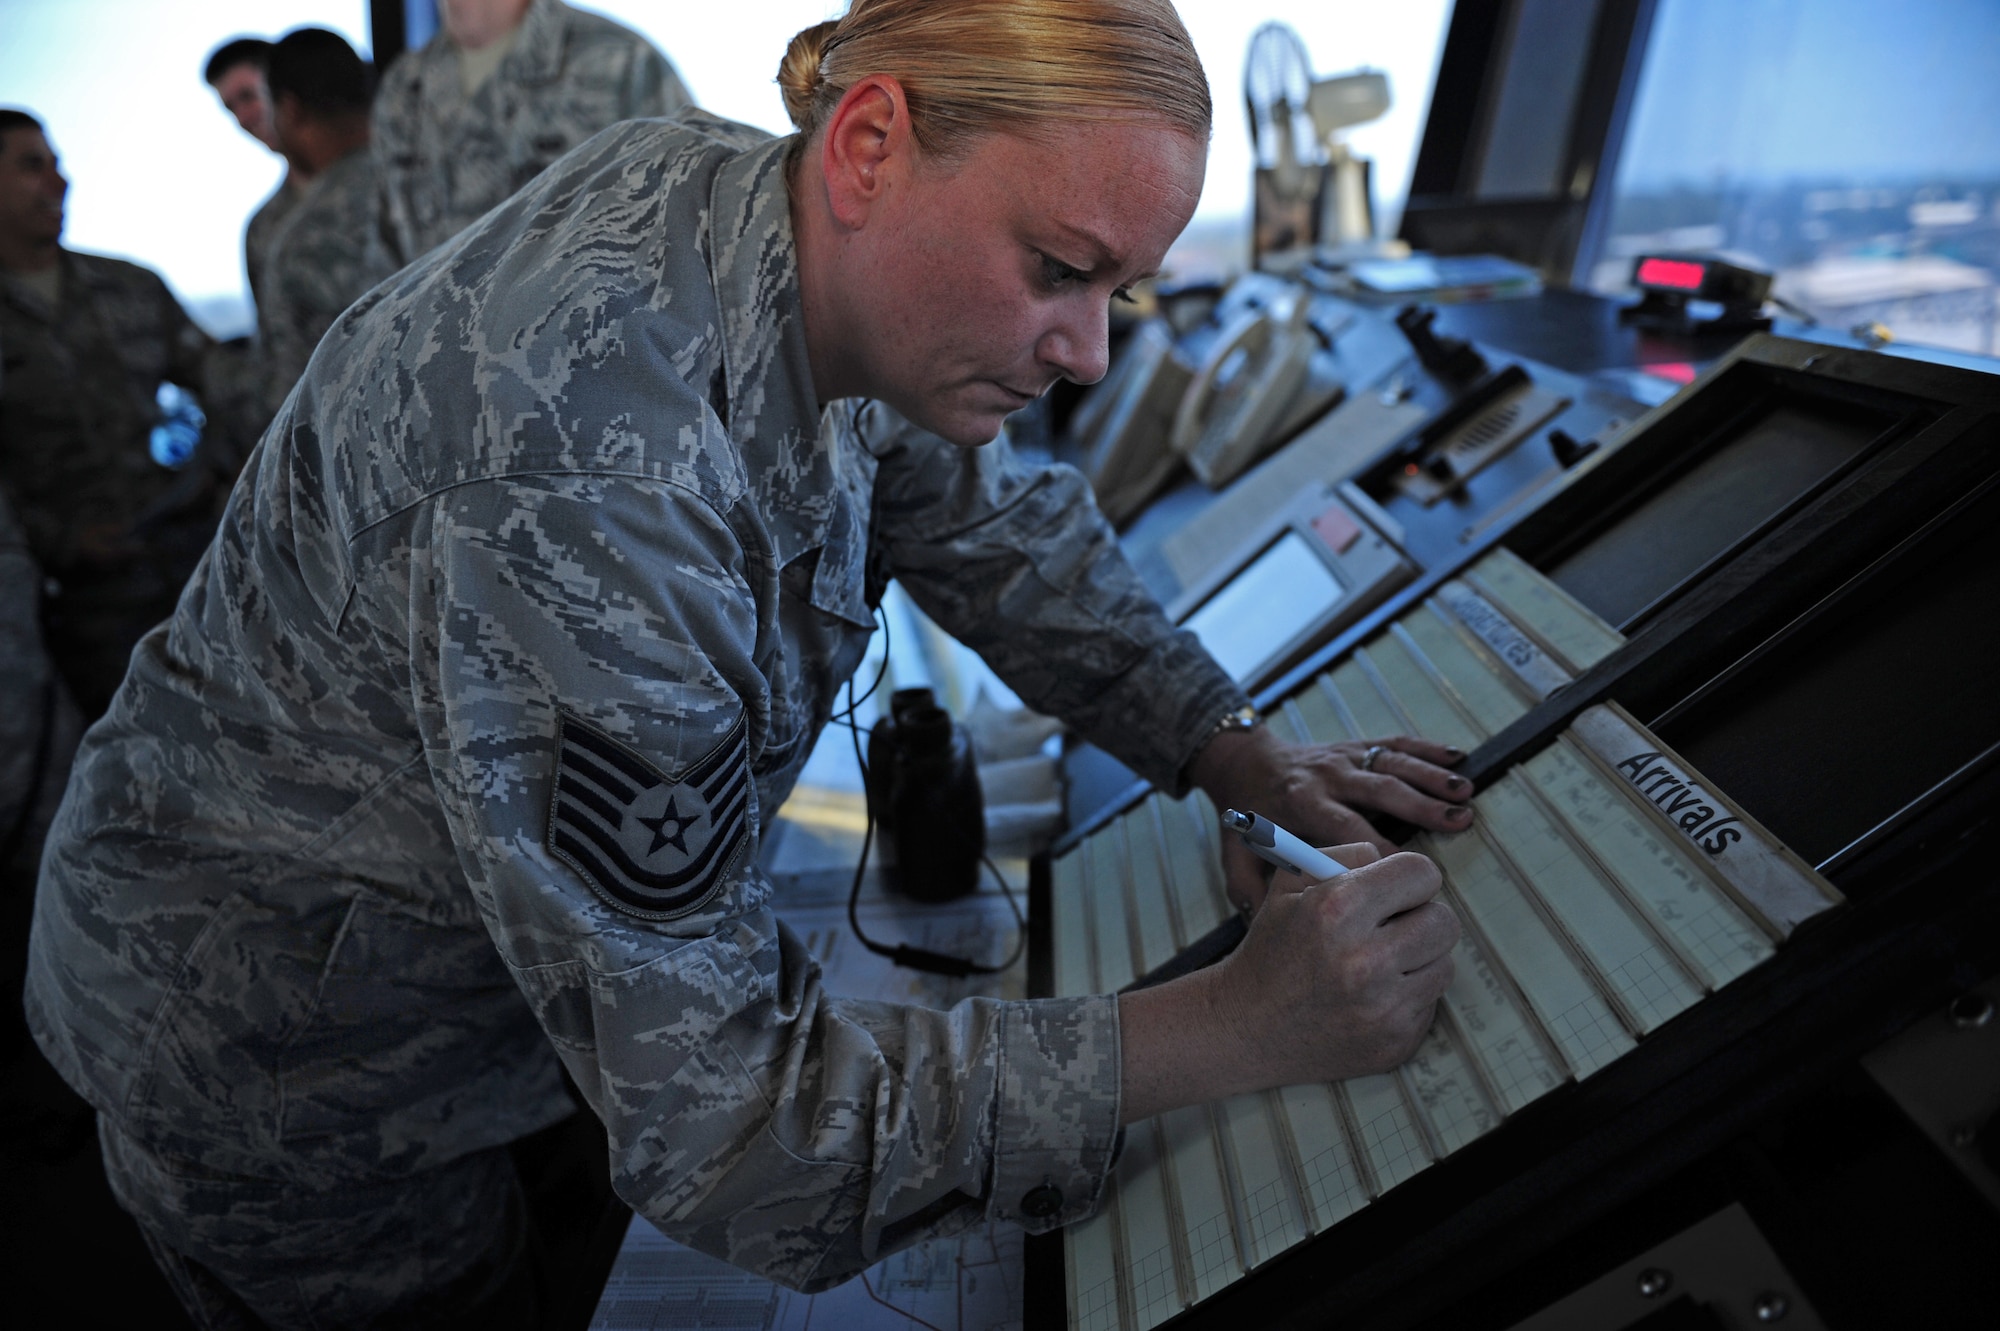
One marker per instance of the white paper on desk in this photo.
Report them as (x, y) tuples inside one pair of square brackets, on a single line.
[(980, 927)]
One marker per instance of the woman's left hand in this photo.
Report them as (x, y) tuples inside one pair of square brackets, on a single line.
[(1318, 791)]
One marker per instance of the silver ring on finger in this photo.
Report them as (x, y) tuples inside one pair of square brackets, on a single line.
[(1375, 751)]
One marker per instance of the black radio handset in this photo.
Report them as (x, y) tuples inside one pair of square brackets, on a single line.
[(922, 784), (923, 791)]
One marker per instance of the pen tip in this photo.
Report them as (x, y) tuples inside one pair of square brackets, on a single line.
[(1235, 819)]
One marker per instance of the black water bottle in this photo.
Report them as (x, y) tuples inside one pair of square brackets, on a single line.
[(923, 790)]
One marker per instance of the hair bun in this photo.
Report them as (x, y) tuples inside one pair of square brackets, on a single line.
[(798, 72)]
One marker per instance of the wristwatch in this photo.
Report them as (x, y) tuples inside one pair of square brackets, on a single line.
[(1238, 719)]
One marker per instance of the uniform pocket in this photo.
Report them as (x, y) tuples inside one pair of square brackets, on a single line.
[(177, 1088), (559, 996), (409, 1017)]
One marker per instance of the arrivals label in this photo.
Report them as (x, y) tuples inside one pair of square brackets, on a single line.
[(1766, 875)]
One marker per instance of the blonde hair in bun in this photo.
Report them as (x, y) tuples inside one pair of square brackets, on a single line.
[(970, 67), (798, 72)]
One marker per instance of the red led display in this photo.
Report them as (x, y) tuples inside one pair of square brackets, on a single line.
[(1674, 274)]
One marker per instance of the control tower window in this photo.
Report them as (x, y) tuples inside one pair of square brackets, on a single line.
[(1851, 147), (158, 171)]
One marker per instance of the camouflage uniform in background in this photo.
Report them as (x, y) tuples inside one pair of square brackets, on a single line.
[(25, 670), (446, 158), (324, 258), (262, 229), (118, 532), (39, 728), (454, 762)]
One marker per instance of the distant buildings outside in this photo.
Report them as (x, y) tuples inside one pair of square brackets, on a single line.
[(1850, 147), (1920, 259)]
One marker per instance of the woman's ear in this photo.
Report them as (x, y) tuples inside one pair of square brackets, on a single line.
[(867, 143)]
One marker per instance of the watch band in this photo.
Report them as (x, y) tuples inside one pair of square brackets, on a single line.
[(1239, 718)]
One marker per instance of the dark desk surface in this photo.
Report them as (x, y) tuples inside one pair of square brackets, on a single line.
[(1579, 331)]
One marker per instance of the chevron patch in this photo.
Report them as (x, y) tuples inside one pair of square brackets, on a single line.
[(651, 846)]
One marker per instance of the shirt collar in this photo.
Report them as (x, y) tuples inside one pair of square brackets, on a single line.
[(536, 56), (754, 263), (26, 298), (811, 482)]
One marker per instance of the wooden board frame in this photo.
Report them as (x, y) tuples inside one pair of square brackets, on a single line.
[(1921, 895)]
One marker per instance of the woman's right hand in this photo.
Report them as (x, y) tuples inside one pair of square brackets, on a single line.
[(1341, 977), (1334, 979)]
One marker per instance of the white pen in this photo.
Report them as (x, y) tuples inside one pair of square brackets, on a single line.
[(1280, 847)]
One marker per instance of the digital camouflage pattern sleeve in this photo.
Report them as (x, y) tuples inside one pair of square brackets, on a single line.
[(592, 758)]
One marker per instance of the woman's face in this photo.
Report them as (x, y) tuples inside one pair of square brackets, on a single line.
[(989, 278)]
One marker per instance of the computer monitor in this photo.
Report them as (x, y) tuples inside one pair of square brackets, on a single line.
[(1527, 111)]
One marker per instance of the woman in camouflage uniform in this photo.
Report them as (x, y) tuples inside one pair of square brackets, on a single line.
[(451, 768)]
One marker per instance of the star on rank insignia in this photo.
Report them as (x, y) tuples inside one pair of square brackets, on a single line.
[(649, 844)]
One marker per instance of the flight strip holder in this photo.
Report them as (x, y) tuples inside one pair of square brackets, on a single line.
[(1919, 439)]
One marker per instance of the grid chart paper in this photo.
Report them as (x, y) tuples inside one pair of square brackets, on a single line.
[(1265, 1179), (1334, 1185), (1642, 974), (1677, 889), (1577, 1014), (1395, 670), (1588, 922), (1190, 832), (1506, 1041), (1202, 1192)]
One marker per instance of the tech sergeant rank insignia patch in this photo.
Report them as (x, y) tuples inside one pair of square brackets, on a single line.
[(649, 845)]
